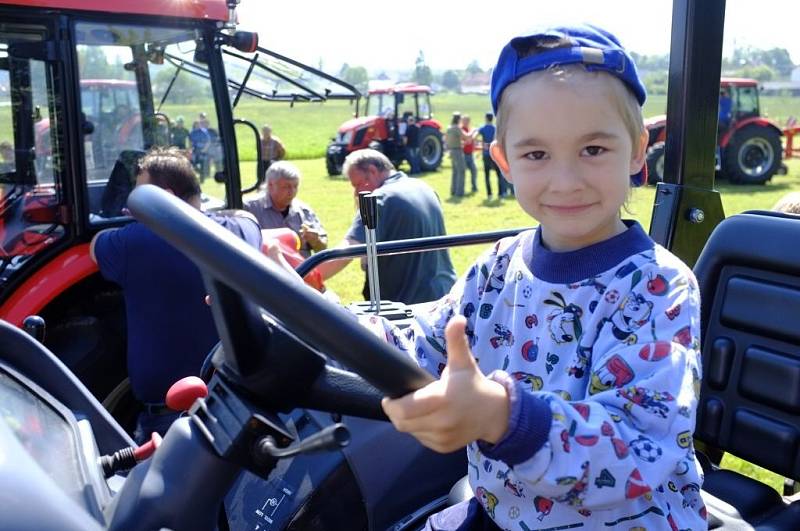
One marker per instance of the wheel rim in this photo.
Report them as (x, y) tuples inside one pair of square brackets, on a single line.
[(756, 157), (430, 151)]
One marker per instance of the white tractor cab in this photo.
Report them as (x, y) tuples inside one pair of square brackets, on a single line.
[(241, 458)]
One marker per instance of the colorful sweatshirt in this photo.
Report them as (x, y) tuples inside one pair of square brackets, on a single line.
[(599, 349)]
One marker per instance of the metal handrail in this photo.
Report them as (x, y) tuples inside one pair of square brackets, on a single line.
[(417, 245)]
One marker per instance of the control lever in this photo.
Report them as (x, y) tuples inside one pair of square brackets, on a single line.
[(183, 393), (127, 458), (368, 207), (331, 437), (35, 327)]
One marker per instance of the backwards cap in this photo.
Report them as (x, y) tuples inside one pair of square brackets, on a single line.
[(596, 49)]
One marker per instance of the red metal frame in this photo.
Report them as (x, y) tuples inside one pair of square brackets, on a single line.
[(61, 273), (199, 9), (790, 151)]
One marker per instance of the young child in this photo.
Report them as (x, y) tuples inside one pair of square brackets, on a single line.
[(587, 329)]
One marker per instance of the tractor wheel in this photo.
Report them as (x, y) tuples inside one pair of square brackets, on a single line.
[(334, 167), (753, 155), (655, 163), (431, 150)]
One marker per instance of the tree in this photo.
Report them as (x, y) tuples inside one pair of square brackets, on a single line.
[(760, 72), (422, 72), (186, 88), (355, 75), (94, 64), (451, 81), (474, 68)]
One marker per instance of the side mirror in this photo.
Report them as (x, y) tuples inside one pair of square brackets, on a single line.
[(248, 145), (220, 177), (244, 41)]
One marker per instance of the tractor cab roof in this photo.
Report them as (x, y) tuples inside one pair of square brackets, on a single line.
[(197, 9), (402, 88), (738, 82)]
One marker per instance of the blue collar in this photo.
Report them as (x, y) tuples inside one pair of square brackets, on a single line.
[(572, 266)]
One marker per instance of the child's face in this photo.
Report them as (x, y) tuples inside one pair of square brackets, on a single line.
[(570, 157)]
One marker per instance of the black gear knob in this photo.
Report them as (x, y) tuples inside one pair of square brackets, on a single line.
[(34, 325)]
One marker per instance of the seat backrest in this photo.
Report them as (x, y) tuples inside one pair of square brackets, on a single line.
[(120, 183), (749, 277)]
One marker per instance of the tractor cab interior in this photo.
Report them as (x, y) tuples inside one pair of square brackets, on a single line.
[(273, 397)]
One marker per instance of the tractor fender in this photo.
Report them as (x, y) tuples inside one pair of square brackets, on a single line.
[(431, 122), (61, 273), (755, 120), (656, 127)]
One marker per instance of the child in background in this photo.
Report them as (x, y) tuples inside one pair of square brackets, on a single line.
[(588, 330)]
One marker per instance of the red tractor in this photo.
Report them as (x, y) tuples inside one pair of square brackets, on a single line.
[(86, 87), (748, 145), (378, 128)]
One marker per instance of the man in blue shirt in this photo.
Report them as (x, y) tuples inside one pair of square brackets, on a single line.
[(487, 133), (169, 326)]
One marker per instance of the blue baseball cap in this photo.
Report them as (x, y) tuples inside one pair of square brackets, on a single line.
[(591, 46)]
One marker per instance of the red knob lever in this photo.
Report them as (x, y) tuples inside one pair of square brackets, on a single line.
[(146, 450), (184, 392)]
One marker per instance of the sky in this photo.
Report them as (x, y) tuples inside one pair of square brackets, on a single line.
[(451, 34)]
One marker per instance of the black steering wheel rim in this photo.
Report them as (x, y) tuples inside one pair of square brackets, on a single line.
[(230, 260)]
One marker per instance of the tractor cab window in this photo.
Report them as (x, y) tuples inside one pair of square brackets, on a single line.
[(380, 104), (30, 148), (424, 106), (747, 102), (406, 105), (136, 95)]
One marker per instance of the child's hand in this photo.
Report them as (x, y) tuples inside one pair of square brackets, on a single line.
[(461, 407)]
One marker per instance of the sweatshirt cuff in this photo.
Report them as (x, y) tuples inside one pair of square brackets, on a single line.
[(529, 422)]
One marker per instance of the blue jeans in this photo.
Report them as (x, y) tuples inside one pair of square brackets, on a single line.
[(469, 162), (412, 155)]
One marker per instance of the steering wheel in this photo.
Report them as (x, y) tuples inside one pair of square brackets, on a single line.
[(249, 275)]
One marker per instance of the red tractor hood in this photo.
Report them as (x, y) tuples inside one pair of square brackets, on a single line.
[(357, 123)]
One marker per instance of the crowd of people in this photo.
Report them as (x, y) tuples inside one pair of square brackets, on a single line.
[(462, 142)]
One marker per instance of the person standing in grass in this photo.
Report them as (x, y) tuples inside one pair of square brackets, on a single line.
[(407, 208), (487, 133), (469, 151), (454, 140), (272, 149)]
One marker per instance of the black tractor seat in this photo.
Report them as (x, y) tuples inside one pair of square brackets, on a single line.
[(749, 277)]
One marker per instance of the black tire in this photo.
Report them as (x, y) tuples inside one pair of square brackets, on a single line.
[(655, 163), (334, 168), (753, 155), (431, 149)]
